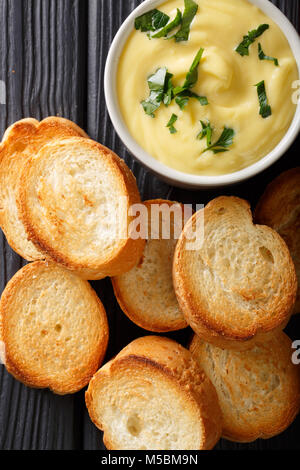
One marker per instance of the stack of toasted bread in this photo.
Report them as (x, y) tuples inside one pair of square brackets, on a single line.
[(59, 192), (66, 205)]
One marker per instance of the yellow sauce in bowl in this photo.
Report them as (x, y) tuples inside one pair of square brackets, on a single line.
[(225, 77)]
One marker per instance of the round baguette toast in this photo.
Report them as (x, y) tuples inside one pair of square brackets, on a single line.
[(258, 389), (74, 201), (279, 208), (153, 396), (22, 140), (154, 305), (54, 328), (240, 284)]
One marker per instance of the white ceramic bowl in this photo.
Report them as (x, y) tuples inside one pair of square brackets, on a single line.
[(174, 177)]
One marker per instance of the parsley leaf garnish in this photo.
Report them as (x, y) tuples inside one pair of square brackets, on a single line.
[(168, 91), (265, 108), (171, 123), (182, 101), (263, 56), (168, 28), (183, 93), (184, 96), (206, 132), (243, 47), (157, 22), (151, 21), (190, 11), (162, 89), (224, 141), (192, 75), (157, 85), (202, 99)]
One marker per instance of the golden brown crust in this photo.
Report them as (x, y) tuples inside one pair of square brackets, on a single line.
[(47, 350), (279, 208), (147, 309), (167, 362), (258, 389), (125, 254), (20, 141), (234, 309)]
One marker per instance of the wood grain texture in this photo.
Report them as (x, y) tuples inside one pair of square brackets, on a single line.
[(43, 63), (52, 58)]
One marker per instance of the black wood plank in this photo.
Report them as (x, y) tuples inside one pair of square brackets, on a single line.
[(43, 63)]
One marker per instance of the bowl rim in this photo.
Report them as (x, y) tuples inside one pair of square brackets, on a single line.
[(175, 177)]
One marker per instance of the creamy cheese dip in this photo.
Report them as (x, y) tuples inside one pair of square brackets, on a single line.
[(227, 80)]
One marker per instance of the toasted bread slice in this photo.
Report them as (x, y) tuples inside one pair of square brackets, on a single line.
[(154, 304), (279, 208), (74, 201), (22, 140), (54, 328), (153, 396), (240, 284), (258, 389)]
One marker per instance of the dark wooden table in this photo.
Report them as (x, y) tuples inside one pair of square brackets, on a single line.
[(52, 58)]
